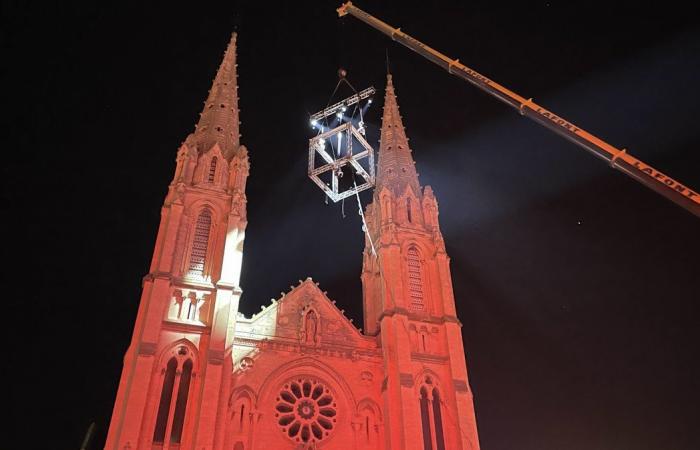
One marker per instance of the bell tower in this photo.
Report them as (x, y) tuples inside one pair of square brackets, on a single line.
[(409, 304), (179, 358)]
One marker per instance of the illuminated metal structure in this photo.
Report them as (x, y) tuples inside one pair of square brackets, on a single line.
[(329, 111), (351, 154), (617, 158)]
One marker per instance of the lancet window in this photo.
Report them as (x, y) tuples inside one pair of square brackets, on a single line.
[(175, 391), (431, 416)]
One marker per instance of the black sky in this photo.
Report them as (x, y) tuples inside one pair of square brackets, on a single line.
[(577, 287)]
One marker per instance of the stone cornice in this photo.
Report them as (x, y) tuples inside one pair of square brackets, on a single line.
[(418, 317), (293, 346), (426, 357), (185, 327)]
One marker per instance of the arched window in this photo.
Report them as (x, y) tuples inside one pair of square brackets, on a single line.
[(199, 244), (212, 170), (437, 416), (176, 383), (165, 398), (369, 437), (431, 416), (240, 419), (425, 419), (415, 280), (408, 210), (181, 403)]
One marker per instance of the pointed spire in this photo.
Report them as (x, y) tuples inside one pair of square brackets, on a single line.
[(396, 168), (218, 123)]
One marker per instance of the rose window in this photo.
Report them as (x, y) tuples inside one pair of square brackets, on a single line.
[(306, 410)]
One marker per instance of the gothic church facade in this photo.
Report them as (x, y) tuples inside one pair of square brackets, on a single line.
[(298, 375)]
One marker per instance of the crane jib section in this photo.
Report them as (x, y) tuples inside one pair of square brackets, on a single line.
[(617, 158)]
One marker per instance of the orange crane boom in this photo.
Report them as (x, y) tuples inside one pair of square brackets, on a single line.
[(617, 158)]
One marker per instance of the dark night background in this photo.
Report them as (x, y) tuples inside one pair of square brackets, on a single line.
[(577, 286)]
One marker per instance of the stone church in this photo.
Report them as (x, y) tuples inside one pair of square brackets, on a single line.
[(200, 375)]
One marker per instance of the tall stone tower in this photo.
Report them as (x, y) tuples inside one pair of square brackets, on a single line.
[(176, 366), (409, 304), (199, 375)]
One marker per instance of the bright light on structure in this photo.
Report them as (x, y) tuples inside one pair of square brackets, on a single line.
[(345, 154), (369, 101), (352, 151)]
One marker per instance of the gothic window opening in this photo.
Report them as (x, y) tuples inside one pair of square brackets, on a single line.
[(425, 420), (369, 433), (165, 398), (408, 210), (173, 400), (240, 420), (192, 309), (415, 280), (200, 243), (181, 403), (212, 170), (437, 416)]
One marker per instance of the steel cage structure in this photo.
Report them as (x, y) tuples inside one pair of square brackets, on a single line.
[(335, 165)]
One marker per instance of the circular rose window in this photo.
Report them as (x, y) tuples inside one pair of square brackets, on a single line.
[(305, 410)]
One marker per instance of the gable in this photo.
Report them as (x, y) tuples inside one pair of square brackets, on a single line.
[(303, 316)]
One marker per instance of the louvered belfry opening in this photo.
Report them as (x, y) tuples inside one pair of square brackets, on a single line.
[(415, 280), (212, 170), (200, 244)]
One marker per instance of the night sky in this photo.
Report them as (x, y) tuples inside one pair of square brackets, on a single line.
[(577, 287)]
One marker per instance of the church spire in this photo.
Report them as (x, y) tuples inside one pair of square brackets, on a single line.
[(219, 121), (396, 168)]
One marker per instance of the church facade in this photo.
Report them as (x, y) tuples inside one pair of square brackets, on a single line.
[(298, 375)]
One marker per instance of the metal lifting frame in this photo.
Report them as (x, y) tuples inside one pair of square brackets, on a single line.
[(334, 166), (329, 111), (617, 158)]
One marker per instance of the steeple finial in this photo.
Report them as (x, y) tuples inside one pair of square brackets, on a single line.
[(396, 168), (219, 121)]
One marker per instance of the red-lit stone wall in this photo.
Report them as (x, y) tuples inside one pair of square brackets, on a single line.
[(298, 375)]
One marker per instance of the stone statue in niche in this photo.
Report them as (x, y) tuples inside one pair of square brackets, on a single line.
[(309, 333)]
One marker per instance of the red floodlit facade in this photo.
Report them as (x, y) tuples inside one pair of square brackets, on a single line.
[(298, 375)]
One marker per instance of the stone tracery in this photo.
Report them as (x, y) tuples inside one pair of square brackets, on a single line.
[(306, 410)]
